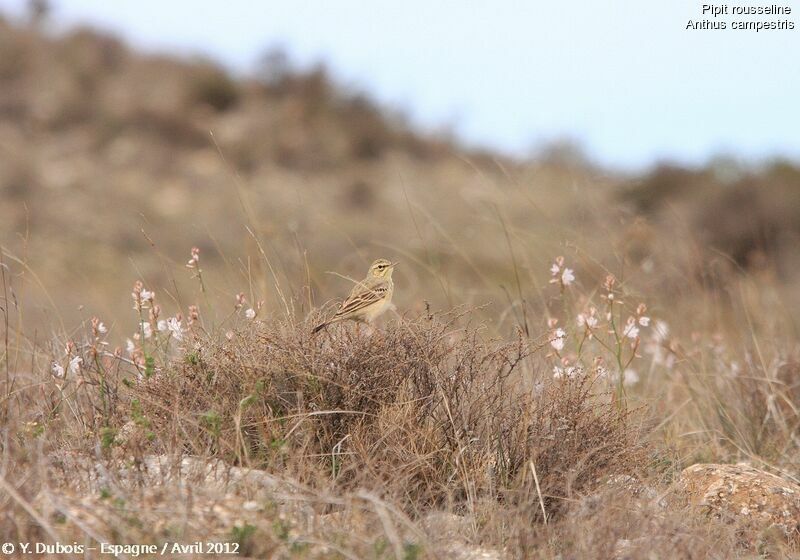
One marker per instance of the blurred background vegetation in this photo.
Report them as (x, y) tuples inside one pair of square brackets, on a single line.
[(113, 164)]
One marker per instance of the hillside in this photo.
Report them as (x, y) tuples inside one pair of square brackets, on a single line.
[(104, 150), (107, 154)]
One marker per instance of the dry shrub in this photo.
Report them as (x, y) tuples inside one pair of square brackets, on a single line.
[(424, 412), (210, 85), (747, 214)]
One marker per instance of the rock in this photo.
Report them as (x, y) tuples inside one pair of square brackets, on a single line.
[(92, 475), (442, 526), (756, 499), (442, 535), (214, 473), (450, 534), (117, 499), (466, 552)]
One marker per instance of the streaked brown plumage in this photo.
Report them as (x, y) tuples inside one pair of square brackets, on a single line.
[(369, 298)]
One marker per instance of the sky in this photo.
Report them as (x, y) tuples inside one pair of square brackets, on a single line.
[(624, 79)]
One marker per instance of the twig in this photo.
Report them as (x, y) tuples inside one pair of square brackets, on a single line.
[(538, 490)]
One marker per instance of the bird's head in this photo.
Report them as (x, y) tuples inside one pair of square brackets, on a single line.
[(382, 268)]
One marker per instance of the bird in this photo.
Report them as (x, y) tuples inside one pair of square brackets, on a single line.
[(369, 298)]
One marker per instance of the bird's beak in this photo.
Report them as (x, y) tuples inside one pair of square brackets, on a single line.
[(394, 264)]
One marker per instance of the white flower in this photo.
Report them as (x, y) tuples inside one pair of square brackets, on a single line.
[(130, 347), (630, 377), (174, 326), (570, 372), (561, 274), (58, 370), (657, 345), (74, 364), (240, 300), (147, 329), (147, 295), (251, 505), (250, 313), (162, 325), (591, 321), (558, 339), (193, 262), (631, 330), (644, 321), (101, 328)]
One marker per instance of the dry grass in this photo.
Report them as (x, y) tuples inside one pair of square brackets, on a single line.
[(424, 412), (368, 436)]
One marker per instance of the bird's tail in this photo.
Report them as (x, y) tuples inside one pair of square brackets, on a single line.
[(324, 324)]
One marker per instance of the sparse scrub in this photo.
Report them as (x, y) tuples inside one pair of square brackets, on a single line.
[(525, 440), (424, 411)]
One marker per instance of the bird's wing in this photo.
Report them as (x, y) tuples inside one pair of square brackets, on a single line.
[(359, 287), (362, 297)]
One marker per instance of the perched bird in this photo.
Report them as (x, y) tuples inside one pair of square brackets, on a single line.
[(369, 298)]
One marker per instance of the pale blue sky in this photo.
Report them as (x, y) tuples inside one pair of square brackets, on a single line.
[(623, 77)]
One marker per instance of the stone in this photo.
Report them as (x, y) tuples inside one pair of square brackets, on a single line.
[(448, 527), (755, 499)]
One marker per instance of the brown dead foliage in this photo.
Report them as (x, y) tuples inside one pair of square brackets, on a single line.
[(426, 412)]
